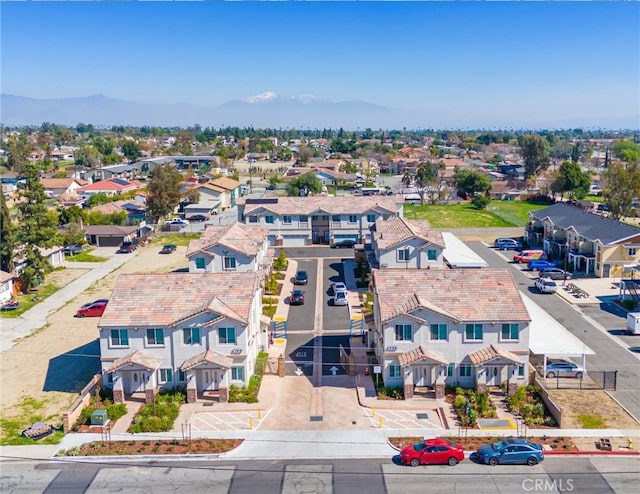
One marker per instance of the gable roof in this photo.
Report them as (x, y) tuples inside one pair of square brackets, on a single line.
[(4, 276), (150, 300), (589, 225), (327, 204), (394, 231), (226, 183), (240, 237), (459, 294), (110, 230), (114, 184), (60, 183)]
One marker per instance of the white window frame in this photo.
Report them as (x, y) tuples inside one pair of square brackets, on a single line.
[(192, 341), (353, 218), (465, 370), (286, 219), (269, 219), (404, 254), (474, 329), (201, 260), (431, 252), (235, 371), (511, 328), (226, 338), (371, 218), (440, 328), (165, 375), (155, 342), (120, 344), (395, 371), (227, 261), (400, 332)]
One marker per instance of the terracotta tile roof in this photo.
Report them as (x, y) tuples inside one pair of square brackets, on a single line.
[(166, 299), (111, 185), (138, 358), (394, 231), (208, 357), (239, 237), (472, 295), (58, 183), (226, 183), (491, 353), (209, 186), (328, 205), (418, 354)]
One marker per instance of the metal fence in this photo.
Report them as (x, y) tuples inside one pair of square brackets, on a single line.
[(603, 380)]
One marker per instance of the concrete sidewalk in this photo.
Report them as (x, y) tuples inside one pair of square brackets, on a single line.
[(36, 317)]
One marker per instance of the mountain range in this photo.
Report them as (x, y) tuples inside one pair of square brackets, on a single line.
[(268, 110)]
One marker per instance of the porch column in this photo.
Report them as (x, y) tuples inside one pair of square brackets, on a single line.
[(481, 379), (408, 383), (512, 383), (150, 388), (223, 388), (118, 388), (192, 388), (439, 385)]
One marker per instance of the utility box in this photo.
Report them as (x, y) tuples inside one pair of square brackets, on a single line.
[(99, 417), (633, 322)]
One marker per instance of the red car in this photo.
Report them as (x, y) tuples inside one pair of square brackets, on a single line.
[(432, 452), (93, 310)]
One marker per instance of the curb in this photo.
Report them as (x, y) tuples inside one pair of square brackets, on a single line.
[(592, 453)]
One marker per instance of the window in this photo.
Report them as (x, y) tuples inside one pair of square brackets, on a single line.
[(191, 336), (473, 332), (253, 219), (403, 332), (450, 370), (371, 218), (229, 263), (465, 370), (199, 262), (353, 218), (227, 335), (286, 219), (521, 370), (439, 332), (269, 219), (119, 337), (155, 336), (631, 251), (336, 218), (110, 377), (394, 371), (403, 254), (304, 219), (166, 375), (432, 255), (509, 332), (182, 376), (237, 373)]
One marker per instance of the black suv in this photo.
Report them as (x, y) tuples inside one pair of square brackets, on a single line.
[(127, 247)]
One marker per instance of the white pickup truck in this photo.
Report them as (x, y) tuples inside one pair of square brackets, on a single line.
[(546, 285)]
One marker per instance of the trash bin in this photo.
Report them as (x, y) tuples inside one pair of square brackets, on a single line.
[(99, 417)]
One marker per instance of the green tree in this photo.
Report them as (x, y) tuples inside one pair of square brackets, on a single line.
[(429, 181), (534, 154), (164, 191), (305, 153), (573, 180), (481, 201), (575, 153), (471, 182), (87, 157), (69, 215), (7, 237), (18, 149), (627, 151), (621, 185), (131, 150), (193, 196), (100, 218), (308, 182)]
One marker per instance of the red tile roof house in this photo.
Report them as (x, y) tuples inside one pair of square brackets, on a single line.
[(110, 187), (238, 247), (206, 339), (467, 328), (299, 221)]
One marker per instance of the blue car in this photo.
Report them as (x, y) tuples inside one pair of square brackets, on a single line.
[(540, 264), (510, 451)]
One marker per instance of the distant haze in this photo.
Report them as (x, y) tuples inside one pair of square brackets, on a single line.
[(265, 110)]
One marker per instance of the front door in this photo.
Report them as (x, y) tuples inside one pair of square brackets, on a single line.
[(135, 381), (422, 375), (208, 380), (493, 375)]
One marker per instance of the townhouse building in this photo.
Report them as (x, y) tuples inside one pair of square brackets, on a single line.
[(433, 328), (590, 243), (298, 221), (197, 331)]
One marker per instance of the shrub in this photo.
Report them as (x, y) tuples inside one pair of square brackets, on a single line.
[(459, 402), (391, 393), (159, 416), (281, 262)]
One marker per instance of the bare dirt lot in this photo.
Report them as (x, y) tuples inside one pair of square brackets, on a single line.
[(591, 403), (50, 366)]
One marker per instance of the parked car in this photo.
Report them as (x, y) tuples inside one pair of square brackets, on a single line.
[(296, 298), (72, 250), (93, 310), (555, 273), (168, 249), (529, 255), (302, 278), (177, 222), (562, 368), (507, 244), (546, 285), (432, 452), (99, 301), (346, 243), (540, 264), (338, 286), (127, 247), (340, 298), (199, 217), (511, 451)]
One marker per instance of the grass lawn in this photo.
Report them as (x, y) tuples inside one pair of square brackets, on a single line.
[(86, 256), (27, 302), (498, 214)]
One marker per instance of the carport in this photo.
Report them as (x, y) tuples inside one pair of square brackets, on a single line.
[(457, 254), (549, 338)]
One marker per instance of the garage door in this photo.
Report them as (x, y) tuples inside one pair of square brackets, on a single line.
[(294, 240)]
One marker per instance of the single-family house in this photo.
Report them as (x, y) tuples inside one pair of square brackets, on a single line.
[(399, 243), (298, 221), (136, 211), (110, 187), (110, 235), (232, 188), (62, 188), (210, 199), (449, 327), (235, 248), (594, 244), (199, 331), (6, 286)]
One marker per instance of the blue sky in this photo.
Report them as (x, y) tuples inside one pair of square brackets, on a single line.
[(486, 60)]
